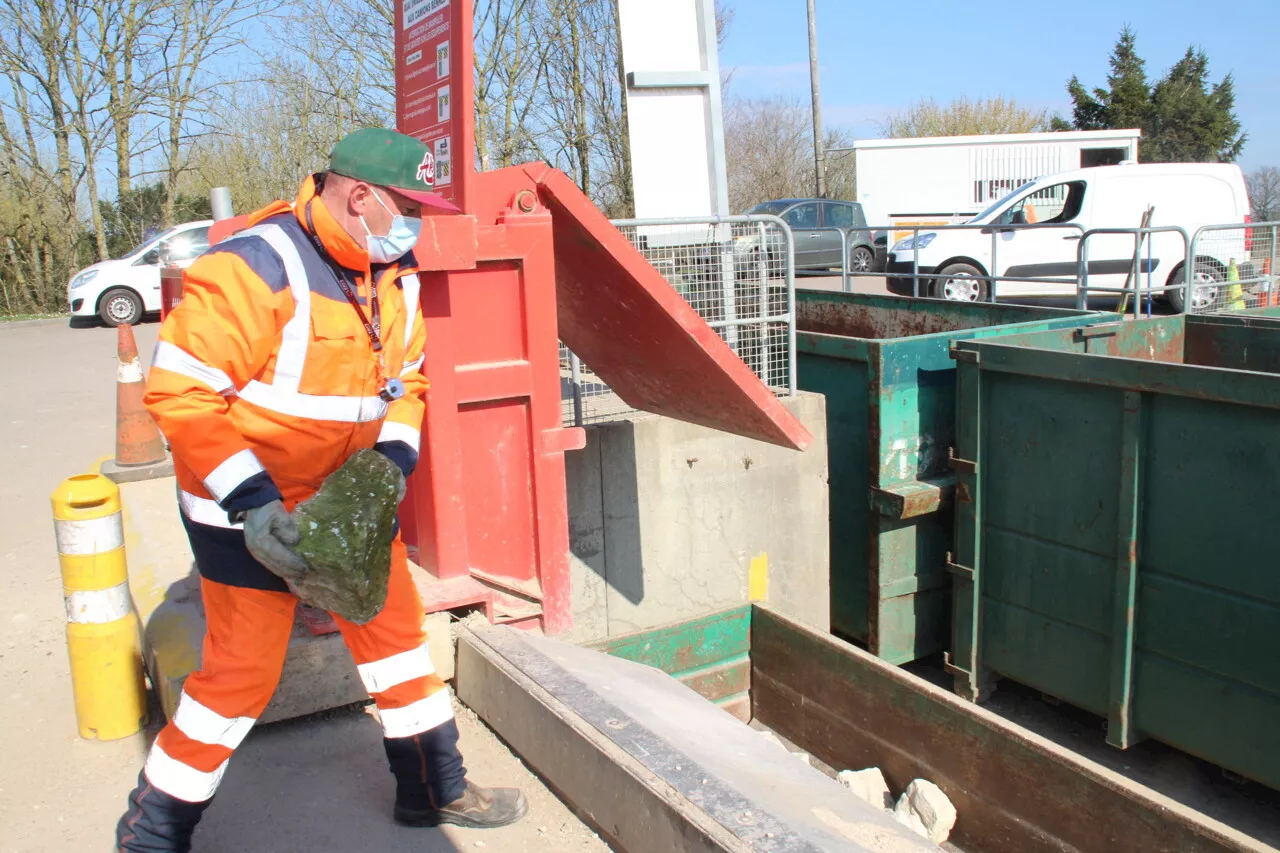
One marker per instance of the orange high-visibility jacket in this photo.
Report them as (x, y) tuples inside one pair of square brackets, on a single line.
[(264, 379)]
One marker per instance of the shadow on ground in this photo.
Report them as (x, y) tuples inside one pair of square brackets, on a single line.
[(308, 786)]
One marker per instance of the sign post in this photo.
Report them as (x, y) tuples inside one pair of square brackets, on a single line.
[(435, 58)]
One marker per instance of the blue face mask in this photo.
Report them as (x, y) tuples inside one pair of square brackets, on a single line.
[(402, 236)]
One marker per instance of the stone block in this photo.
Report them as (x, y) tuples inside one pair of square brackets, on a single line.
[(869, 785), (925, 809)]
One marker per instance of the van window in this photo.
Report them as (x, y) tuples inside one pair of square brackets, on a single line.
[(1054, 203), (835, 215), (802, 216)]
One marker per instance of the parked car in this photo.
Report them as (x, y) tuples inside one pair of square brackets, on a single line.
[(1188, 195), (817, 245), (124, 289)]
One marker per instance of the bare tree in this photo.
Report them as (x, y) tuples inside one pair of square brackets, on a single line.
[(510, 72), (196, 33), (126, 31), (89, 119), (769, 152), (1264, 193), (965, 117)]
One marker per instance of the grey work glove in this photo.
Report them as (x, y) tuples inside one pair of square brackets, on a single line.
[(269, 534)]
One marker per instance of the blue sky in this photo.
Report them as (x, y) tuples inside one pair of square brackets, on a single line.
[(877, 58)]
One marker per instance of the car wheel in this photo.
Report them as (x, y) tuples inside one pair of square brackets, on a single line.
[(963, 283), (1204, 294), (861, 259), (119, 306)]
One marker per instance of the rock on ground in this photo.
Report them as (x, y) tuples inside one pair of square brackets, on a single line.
[(924, 808), (869, 785)]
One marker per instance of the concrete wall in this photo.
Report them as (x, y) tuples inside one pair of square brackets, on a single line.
[(667, 518)]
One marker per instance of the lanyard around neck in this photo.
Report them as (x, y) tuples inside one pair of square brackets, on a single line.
[(373, 328)]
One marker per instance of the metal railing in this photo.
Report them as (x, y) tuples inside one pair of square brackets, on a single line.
[(1142, 268), (984, 285), (1234, 266), (737, 272), (1218, 256)]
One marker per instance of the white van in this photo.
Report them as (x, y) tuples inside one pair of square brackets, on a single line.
[(122, 290), (1188, 195)]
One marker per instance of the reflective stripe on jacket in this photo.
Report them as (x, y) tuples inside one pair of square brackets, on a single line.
[(264, 379)]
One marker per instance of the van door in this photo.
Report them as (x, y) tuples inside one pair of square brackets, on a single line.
[(1119, 201), (1039, 252)]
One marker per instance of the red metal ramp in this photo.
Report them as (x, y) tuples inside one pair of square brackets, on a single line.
[(624, 320)]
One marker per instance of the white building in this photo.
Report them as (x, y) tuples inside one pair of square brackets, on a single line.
[(942, 179)]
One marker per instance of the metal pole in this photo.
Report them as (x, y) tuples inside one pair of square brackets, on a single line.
[(1273, 275), (845, 285), (995, 265), (819, 157), (220, 202), (1082, 273), (915, 261), (1137, 276), (790, 267), (575, 382), (763, 263)]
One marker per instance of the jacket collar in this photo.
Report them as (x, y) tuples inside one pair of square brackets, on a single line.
[(340, 245)]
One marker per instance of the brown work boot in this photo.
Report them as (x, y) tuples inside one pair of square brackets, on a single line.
[(477, 808)]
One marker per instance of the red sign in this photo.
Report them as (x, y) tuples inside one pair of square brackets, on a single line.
[(434, 62)]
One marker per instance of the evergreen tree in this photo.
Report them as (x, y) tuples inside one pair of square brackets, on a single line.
[(1191, 121), (1182, 117)]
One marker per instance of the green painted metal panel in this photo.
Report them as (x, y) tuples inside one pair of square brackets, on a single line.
[(1116, 537), (709, 654), (884, 365)]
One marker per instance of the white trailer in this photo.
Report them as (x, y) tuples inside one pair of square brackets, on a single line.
[(944, 179)]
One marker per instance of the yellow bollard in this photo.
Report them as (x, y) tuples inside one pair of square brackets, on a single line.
[(102, 629)]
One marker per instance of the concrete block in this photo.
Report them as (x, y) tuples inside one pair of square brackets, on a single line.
[(117, 473), (441, 643), (667, 518), (869, 785), (926, 810), (659, 768), (586, 545)]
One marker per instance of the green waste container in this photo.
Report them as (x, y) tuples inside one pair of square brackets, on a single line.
[(883, 364), (1117, 542)]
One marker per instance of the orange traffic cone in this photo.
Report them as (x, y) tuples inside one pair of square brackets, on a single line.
[(140, 450)]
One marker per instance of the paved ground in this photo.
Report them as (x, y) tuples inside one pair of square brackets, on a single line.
[(310, 785)]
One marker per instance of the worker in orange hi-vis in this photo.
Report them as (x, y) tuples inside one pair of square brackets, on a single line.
[(299, 341)]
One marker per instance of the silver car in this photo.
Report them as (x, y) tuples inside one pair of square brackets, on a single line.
[(814, 224)]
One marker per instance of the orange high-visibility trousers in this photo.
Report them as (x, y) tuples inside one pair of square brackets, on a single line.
[(244, 650)]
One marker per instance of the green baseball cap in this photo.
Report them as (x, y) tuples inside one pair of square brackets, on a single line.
[(393, 160)]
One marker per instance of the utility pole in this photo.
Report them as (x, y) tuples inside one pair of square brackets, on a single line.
[(819, 157)]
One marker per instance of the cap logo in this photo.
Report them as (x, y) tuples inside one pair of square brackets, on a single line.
[(427, 169)]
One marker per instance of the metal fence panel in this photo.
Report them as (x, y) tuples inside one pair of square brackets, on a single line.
[(1235, 267), (737, 272)]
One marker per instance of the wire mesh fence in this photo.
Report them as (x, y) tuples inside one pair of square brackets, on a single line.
[(1235, 267), (736, 272)]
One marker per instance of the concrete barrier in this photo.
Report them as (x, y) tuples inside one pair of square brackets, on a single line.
[(668, 521)]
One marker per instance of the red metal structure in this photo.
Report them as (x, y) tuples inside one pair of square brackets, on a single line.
[(530, 262)]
